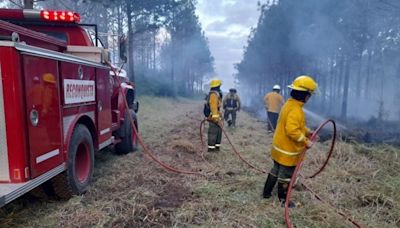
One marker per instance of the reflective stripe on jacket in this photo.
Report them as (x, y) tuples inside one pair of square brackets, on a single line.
[(273, 102), (291, 134)]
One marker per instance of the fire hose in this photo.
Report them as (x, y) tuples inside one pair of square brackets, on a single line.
[(150, 154), (230, 142), (147, 151), (297, 169)]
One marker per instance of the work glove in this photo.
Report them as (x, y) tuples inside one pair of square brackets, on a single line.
[(309, 144), (316, 137)]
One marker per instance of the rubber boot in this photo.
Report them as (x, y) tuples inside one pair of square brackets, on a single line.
[(282, 193), (269, 186), (211, 149)]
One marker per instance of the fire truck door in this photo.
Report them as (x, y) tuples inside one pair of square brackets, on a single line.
[(43, 113), (103, 106)]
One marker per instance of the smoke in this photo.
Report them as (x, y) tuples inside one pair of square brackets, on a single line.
[(329, 40)]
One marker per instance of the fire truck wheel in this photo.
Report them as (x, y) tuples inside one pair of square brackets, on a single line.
[(129, 140), (77, 178)]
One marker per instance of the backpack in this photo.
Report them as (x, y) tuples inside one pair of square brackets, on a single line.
[(206, 108)]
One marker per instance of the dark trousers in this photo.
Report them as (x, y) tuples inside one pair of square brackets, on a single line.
[(214, 135), (283, 175), (273, 120), (232, 113), (282, 172)]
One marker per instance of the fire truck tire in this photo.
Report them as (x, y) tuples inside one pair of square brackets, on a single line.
[(76, 179), (129, 140)]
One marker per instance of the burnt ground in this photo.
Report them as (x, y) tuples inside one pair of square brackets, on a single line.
[(133, 191), (368, 132)]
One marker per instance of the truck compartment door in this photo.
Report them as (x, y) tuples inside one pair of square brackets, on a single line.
[(103, 106), (43, 113)]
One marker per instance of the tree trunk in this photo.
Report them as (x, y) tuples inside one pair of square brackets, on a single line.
[(119, 28), (346, 90), (368, 76), (338, 85), (154, 49), (131, 67), (359, 80), (28, 4)]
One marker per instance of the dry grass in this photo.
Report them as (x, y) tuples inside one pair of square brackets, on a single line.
[(131, 191)]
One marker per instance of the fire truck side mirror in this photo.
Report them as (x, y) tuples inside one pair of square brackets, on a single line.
[(136, 106), (123, 48)]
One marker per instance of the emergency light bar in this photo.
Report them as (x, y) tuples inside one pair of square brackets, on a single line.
[(64, 16), (45, 15)]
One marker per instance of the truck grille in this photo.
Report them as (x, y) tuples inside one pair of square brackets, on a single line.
[(4, 168)]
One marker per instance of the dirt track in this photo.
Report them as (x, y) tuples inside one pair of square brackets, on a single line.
[(132, 191)]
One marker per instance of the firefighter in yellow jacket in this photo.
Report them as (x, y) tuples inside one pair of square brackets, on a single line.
[(215, 103), (273, 102), (290, 137)]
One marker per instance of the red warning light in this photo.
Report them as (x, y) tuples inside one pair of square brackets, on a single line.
[(61, 16)]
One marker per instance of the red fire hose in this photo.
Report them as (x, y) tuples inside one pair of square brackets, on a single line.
[(148, 152), (298, 167), (230, 142), (313, 138)]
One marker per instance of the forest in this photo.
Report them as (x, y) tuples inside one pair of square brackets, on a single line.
[(167, 50), (350, 47), (169, 177)]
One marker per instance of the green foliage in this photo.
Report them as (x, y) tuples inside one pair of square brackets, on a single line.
[(155, 85), (187, 56), (166, 44)]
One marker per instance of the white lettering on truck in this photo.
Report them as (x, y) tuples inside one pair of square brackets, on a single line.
[(78, 91)]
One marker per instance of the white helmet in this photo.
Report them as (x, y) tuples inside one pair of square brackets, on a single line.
[(276, 87)]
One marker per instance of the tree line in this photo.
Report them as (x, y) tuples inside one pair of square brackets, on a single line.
[(167, 51), (350, 47)]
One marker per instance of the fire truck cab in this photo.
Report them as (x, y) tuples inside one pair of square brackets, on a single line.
[(60, 102)]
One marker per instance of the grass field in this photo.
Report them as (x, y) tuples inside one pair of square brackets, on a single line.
[(132, 191)]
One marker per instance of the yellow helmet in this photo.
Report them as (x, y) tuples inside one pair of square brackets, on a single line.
[(304, 83), (215, 83), (48, 77)]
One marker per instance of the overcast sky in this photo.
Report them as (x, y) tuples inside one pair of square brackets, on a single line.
[(227, 24)]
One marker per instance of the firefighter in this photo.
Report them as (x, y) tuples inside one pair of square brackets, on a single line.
[(290, 138), (273, 103), (231, 105), (215, 103)]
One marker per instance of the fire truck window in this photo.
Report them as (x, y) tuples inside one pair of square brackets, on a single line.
[(58, 35), (92, 36)]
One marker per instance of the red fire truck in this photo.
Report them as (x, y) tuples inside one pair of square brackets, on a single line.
[(59, 103)]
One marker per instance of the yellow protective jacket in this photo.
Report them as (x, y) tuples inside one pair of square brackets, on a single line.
[(291, 134), (273, 102), (215, 102)]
